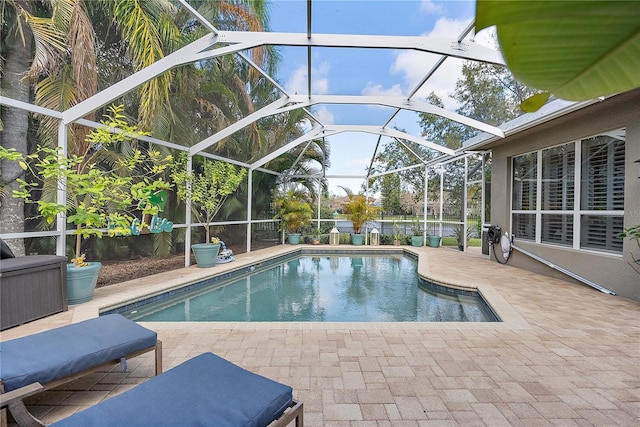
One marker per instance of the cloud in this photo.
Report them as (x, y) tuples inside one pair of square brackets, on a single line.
[(325, 116), (429, 7), (298, 83), (413, 65), (373, 89)]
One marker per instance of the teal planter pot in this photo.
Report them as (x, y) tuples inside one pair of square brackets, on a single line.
[(434, 241), (294, 238), (417, 241), (357, 239), (206, 254), (81, 282)]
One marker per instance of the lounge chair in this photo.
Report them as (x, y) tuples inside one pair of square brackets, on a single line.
[(60, 355), (204, 391)]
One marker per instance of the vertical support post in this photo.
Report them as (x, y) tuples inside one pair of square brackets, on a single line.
[(482, 195), (187, 214), (464, 204), (424, 207), (61, 195), (366, 198), (249, 207), (319, 197), (441, 197)]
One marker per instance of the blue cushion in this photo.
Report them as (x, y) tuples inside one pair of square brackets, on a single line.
[(204, 391), (60, 352)]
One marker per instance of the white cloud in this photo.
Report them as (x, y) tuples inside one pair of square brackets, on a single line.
[(373, 89), (428, 6), (413, 65), (325, 116), (298, 83)]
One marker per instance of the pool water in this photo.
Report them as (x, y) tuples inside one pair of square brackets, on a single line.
[(326, 288)]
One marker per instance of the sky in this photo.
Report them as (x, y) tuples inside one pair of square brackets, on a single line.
[(349, 71)]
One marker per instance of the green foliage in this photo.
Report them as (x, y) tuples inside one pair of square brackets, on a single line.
[(634, 234), (577, 50), (95, 197), (206, 188), (416, 227), (486, 93), (391, 193), (396, 231), (293, 210), (359, 210)]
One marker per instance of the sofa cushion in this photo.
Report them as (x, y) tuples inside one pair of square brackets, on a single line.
[(204, 391), (58, 353)]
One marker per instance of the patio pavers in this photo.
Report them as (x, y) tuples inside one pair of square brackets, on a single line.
[(566, 355)]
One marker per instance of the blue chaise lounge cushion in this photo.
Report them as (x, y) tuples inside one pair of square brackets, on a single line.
[(204, 391), (58, 353)]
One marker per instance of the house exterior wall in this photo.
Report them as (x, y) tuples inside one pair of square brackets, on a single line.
[(613, 272)]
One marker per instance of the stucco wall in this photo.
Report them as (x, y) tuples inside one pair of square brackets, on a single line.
[(610, 271)]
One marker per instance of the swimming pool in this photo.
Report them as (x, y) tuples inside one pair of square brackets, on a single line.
[(319, 288)]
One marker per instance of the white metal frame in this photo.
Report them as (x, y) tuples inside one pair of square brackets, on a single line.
[(235, 42)]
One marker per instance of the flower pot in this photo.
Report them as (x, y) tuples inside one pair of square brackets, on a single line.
[(396, 242), (206, 254), (81, 282), (434, 241), (294, 238), (417, 241), (357, 239)]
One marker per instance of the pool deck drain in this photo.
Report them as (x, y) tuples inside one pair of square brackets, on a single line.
[(564, 354)]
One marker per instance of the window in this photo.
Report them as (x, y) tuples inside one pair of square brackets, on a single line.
[(602, 191), (579, 205), (525, 185)]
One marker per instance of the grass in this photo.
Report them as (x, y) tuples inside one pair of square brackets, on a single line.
[(452, 241)]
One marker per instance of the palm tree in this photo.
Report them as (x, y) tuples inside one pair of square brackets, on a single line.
[(79, 48), (63, 67)]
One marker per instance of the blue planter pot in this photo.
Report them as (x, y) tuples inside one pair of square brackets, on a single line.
[(357, 239), (294, 238), (417, 241), (434, 241), (81, 282), (206, 254)]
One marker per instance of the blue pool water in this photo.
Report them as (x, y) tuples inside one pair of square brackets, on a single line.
[(325, 288)]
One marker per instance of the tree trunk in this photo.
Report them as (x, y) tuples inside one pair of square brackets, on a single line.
[(14, 135)]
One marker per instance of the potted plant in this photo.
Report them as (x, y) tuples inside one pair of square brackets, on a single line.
[(316, 239), (204, 190), (294, 212), (359, 211), (418, 238), (434, 241), (95, 197), (634, 234), (396, 232)]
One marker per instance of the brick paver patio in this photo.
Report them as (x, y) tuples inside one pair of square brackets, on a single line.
[(565, 355)]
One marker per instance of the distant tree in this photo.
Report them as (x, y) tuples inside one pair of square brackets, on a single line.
[(391, 192), (485, 92)]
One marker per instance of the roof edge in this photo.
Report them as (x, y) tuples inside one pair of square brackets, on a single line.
[(548, 112)]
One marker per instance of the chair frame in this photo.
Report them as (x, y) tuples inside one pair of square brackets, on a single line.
[(13, 400)]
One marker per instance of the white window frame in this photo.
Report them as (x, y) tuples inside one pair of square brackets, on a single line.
[(576, 212)]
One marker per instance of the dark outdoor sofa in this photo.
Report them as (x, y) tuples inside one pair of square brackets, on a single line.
[(31, 287)]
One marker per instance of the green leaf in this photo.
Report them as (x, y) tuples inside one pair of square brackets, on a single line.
[(533, 103), (577, 50)]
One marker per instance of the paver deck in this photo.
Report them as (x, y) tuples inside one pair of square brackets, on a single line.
[(565, 355)]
